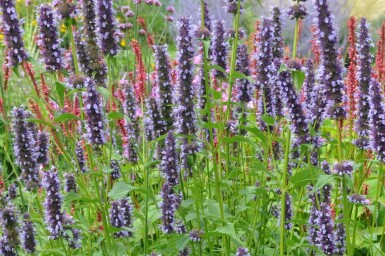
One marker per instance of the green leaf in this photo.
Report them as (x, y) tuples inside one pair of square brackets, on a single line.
[(298, 77), (207, 47), (217, 67), (120, 190), (104, 92), (182, 243), (60, 89), (305, 176), (65, 118), (322, 181), (114, 115), (38, 121), (227, 230), (267, 119)]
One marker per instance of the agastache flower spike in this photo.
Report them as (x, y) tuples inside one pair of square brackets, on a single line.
[(264, 70), (332, 67), (27, 235), (79, 152), (53, 204), (164, 83), (155, 125), (277, 44), (24, 148), (364, 74), (184, 111), (232, 6), (116, 172), (207, 19), (12, 33), (377, 119), (340, 237), (308, 85), (10, 240), (241, 251), (107, 27), (170, 163), (70, 184), (169, 205), (219, 48), (49, 42), (42, 149), (244, 90), (126, 211), (94, 113)]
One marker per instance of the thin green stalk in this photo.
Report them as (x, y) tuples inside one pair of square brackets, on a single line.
[(283, 198)]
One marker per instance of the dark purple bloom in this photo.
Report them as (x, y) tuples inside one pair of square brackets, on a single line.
[(70, 184), (207, 19), (116, 172), (164, 83), (169, 205), (116, 216), (49, 42), (340, 236), (241, 251), (265, 68), (24, 148), (126, 211), (93, 109), (325, 166), (325, 233), (64, 9), (332, 67), (344, 167), (12, 191), (12, 33), (318, 102), (288, 211), (10, 239), (80, 157), (296, 116), (106, 27), (184, 111), (170, 162), (53, 204), (313, 217), (219, 48), (81, 52), (42, 149), (244, 90), (95, 66), (154, 123), (185, 252), (364, 75), (130, 146), (358, 199), (196, 235), (27, 235), (277, 43), (232, 6), (377, 119), (297, 11), (308, 85)]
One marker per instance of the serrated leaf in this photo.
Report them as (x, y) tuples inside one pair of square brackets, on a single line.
[(65, 118), (305, 176), (299, 78), (60, 89), (182, 243), (120, 190), (104, 92), (268, 120)]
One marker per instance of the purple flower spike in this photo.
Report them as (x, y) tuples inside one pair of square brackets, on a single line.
[(49, 42), (377, 119), (241, 251), (277, 31), (358, 199), (296, 113), (325, 233), (126, 211), (154, 123), (107, 27), (94, 113), (344, 167), (10, 240), (116, 172), (53, 204), (207, 18), (165, 86), (70, 184), (265, 70), (297, 11), (185, 252), (244, 90), (80, 157), (24, 148), (332, 68), (27, 235), (196, 235), (116, 217), (364, 75), (169, 205), (232, 6), (42, 149), (170, 163), (219, 48), (12, 33), (340, 236)]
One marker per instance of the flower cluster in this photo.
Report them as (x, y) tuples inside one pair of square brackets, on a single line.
[(106, 27), (344, 167), (241, 251), (331, 65), (364, 75), (297, 11), (49, 42), (12, 34), (27, 235), (53, 204), (10, 239), (70, 184), (358, 199), (42, 148), (219, 48), (94, 112)]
